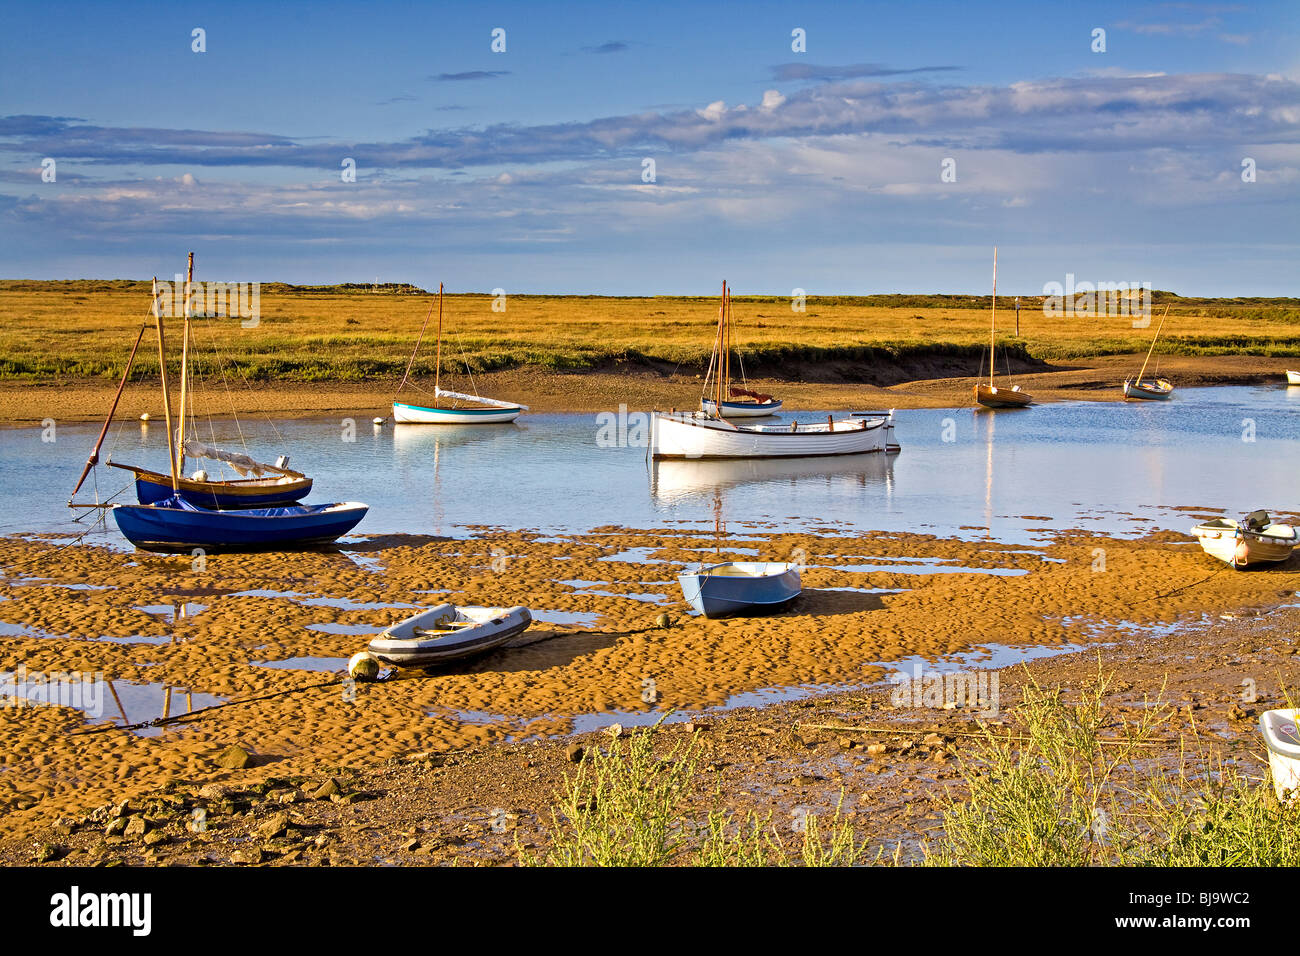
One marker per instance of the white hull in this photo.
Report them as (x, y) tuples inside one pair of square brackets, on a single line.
[(742, 409), (1226, 540), (1282, 737), (1292, 378), (681, 435), (404, 414), (447, 633)]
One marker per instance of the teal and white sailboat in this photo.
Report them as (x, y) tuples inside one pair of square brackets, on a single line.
[(447, 408)]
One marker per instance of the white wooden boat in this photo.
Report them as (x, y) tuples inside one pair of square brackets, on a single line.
[(1149, 388), (447, 408), (1282, 737), (1253, 540), (750, 409), (1158, 388), (989, 395), (489, 411), (1292, 378), (448, 633), (721, 398), (695, 435), (738, 587)]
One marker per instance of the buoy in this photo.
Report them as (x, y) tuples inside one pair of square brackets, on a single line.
[(663, 620), (144, 417), (363, 666), (379, 421), (1241, 554)]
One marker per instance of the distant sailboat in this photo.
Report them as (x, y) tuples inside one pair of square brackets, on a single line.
[(489, 410), (1151, 388), (271, 486), (990, 396), (722, 404)]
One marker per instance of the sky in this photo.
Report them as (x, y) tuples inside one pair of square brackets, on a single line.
[(626, 149)]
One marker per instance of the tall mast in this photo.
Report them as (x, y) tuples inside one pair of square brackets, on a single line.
[(162, 373), (719, 347), (437, 367), (993, 325), (1153, 344), (726, 385), (185, 369)]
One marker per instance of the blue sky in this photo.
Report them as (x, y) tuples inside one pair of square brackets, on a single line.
[(774, 168)]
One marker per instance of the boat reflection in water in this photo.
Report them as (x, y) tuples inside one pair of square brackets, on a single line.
[(678, 479)]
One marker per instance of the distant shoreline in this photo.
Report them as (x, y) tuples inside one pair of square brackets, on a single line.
[(1097, 379)]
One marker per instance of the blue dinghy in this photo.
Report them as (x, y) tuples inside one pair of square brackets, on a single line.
[(179, 525), (740, 587)]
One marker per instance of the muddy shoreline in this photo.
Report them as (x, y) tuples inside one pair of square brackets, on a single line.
[(431, 753), (1094, 379)]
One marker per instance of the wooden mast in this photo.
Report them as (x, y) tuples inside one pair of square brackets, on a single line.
[(94, 453), (162, 372), (726, 385), (993, 325), (437, 367), (1153, 345), (185, 369), (718, 350)]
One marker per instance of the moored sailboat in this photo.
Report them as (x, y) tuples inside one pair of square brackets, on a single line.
[(728, 400), (1149, 388), (272, 485), (485, 410), (990, 396)]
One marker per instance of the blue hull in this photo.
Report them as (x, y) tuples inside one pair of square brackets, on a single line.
[(151, 492), (720, 595), (176, 525)]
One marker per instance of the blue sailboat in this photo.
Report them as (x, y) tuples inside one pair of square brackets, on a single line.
[(176, 525), (739, 587)]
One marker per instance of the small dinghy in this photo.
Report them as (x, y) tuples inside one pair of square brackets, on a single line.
[(1256, 539), (1282, 737), (449, 633), (740, 587), (1292, 377)]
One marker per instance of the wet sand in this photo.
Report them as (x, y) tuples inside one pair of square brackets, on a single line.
[(909, 595), (1094, 379)]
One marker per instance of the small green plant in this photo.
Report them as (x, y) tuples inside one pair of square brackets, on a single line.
[(1062, 794), (628, 807)]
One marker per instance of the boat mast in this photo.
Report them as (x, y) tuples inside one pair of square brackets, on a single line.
[(94, 453), (993, 325), (719, 347), (1153, 344), (162, 374), (727, 347), (185, 369), (437, 366)]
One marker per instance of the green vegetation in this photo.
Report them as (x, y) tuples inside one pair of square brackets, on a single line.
[(83, 329), (1068, 795), (628, 807)]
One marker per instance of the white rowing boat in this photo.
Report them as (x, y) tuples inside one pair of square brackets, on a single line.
[(694, 435), (1256, 539), (1292, 378), (448, 633), (1282, 737)]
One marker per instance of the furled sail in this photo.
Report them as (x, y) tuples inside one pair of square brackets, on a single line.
[(443, 393), (241, 463)]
